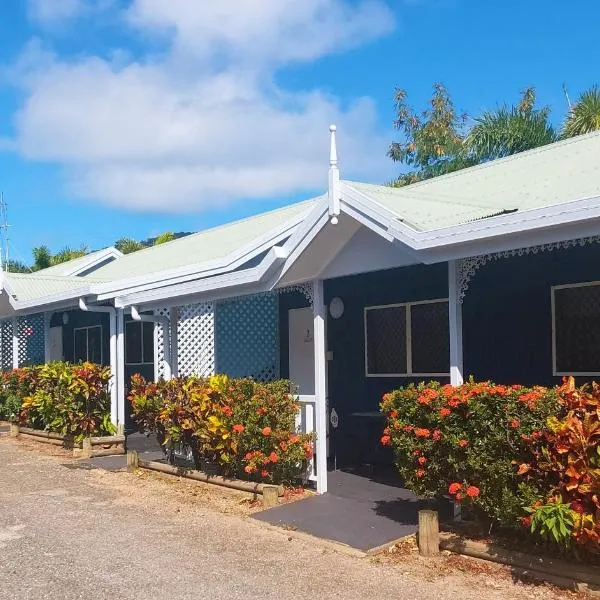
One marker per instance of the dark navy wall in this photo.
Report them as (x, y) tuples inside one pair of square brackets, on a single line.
[(78, 318), (287, 301), (507, 318), (357, 438)]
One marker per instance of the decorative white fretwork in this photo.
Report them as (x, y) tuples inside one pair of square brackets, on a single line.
[(467, 267), (306, 289)]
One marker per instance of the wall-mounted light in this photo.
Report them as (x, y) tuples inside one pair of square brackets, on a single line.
[(65, 318), (336, 308)]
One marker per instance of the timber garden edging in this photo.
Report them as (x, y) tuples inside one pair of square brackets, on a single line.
[(88, 448), (270, 493)]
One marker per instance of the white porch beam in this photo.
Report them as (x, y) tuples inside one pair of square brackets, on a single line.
[(319, 313), (455, 323), (15, 343)]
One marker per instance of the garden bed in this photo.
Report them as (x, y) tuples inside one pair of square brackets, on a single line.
[(88, 448)]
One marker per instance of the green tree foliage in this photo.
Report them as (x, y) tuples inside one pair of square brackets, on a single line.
[(509, 130), (167, 236), (42, 258), (584, 115), (128, 245), (432, 141)]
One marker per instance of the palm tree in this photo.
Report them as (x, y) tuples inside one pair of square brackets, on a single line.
[(167, 236), (42, 258), (509, 130), (128, 245), (584, 115), (67, 254)]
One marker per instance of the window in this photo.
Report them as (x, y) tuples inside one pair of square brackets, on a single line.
[(139, 343), (576, 329), (87, 344), (409, 339)]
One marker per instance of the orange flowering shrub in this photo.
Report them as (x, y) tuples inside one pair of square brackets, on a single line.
[(566, 457), (467, 442), (242, 427)]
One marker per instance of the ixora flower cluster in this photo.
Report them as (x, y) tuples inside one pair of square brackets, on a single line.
[(65, 398), (241, 427), (521, 455)]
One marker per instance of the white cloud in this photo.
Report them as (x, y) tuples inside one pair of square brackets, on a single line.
[(205, 123)]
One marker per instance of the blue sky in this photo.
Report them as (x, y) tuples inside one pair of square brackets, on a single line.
[(128, 118)]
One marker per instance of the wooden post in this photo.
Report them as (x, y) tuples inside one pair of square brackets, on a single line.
[(132, 460), (86, 448), (429, 533), (14, 430), (270, 495)]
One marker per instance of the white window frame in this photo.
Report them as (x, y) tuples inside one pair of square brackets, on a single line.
[(408, 341), (87, 345), (142, 364), (553, 289)]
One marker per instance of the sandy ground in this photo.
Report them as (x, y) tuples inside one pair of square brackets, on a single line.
[(76, 533)]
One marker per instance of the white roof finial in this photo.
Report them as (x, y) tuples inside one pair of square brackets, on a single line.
[(334, 178)]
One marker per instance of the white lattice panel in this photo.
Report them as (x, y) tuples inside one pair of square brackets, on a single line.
[(6, 345), (196, 339)]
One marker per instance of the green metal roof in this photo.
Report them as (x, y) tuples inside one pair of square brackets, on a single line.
[(29, 286), (201, 247), (553, 174)]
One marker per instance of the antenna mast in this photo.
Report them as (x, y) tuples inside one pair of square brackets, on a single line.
[(4, 239)]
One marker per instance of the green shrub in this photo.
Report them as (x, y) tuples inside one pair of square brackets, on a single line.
[(241, 427), (69, 399), (468, 442)]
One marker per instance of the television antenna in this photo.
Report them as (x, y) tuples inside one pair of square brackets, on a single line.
[(4, 238)]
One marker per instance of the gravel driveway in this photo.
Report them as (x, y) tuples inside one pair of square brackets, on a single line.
[(72, 533)]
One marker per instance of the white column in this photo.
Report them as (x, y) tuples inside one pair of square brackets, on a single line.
[(319, 312), (15, 343), (174, 320), (47, 316), (120, 354), (455, 316), (114, 361)]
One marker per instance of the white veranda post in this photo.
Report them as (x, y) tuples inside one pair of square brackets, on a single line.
[(319, 312), (455, 323)]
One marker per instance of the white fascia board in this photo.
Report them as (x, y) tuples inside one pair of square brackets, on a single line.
[(99, 257), (214, 285), (202, 270)]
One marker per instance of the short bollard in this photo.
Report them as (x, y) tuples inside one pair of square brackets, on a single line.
[(132, 460), (86, 448), (429, 533), (14, 430), (270, 495)]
